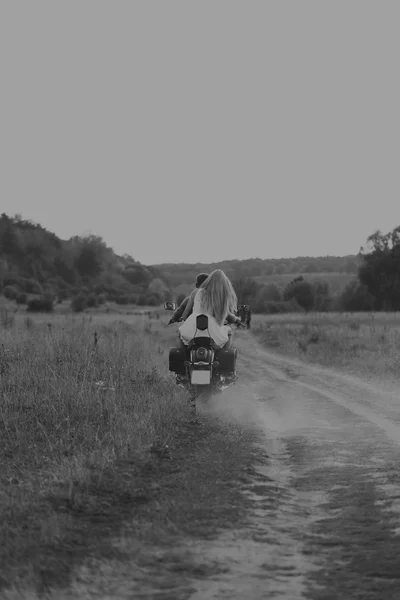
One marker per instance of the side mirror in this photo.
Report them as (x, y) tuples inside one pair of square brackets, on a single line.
[(169, 305)]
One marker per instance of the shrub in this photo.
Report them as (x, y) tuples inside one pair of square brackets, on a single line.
[(79, 302), (153, 300), (16, 282), (302, 291), (323, 299), (21, 298), (112, 294), (356, 297), (31, 286), (62, 295), (92, 301), (10, 292), (44, 303), (101, 299), (267, 295)]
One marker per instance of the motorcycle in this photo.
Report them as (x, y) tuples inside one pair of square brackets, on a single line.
[(244, 313), (201, 368)]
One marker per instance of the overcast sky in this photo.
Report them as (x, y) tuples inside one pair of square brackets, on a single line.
[(202, 130)]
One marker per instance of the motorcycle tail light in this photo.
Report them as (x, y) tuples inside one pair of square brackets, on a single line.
[(202, 354)]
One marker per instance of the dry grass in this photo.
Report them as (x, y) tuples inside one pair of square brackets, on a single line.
[(86, 408), (143, 526), (363, 344), (77, 394)]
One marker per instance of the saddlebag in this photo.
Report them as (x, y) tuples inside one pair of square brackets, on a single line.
[(227, 360), (177, 357)]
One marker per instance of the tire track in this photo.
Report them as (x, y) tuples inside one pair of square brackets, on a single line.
[(326, 519)]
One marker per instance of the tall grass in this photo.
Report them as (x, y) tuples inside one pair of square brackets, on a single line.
[(363, 344), (76, 395), (77, 388)]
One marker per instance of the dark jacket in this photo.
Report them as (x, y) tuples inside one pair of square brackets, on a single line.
[(180, 310)]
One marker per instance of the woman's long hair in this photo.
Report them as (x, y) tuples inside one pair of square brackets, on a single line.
[(218, 296)]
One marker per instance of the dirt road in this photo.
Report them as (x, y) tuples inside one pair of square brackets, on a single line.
[(325, 522), (323, 500)]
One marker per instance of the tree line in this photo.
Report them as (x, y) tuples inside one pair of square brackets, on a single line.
[(38, 268), (257, 268), (376, 286)]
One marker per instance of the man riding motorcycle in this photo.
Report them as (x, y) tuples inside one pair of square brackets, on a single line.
[(214, 300), (205, 363), (201, 277)]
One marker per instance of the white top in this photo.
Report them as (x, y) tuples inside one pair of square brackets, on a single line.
[(219, 333)]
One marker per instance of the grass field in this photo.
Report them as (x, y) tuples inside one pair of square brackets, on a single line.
[(77, 394), (88, 413), (86, 399), (364, 344)]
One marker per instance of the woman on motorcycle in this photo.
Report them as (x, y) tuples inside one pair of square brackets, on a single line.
[(215, 298)]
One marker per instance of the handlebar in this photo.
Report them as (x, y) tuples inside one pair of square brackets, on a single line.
[(237, 323)]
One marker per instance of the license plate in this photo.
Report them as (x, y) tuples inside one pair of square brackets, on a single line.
[(201, 377)]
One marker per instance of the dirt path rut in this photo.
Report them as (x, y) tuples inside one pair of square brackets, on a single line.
[(325, 521)]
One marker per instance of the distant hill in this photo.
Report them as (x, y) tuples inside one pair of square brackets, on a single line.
[(34, 260), (337, 270)]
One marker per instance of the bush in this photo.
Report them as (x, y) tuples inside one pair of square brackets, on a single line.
[(322, 296), (62, 295), (24, 284), (92, 301), (112, 294), (31, 286), (79, 302), (10, 292), (126, 299), (141, 300), (21, 298), (44, 303), (302, 291), (16, 282), (267, 296), (356, 297), (101, 299), (153, 300)]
